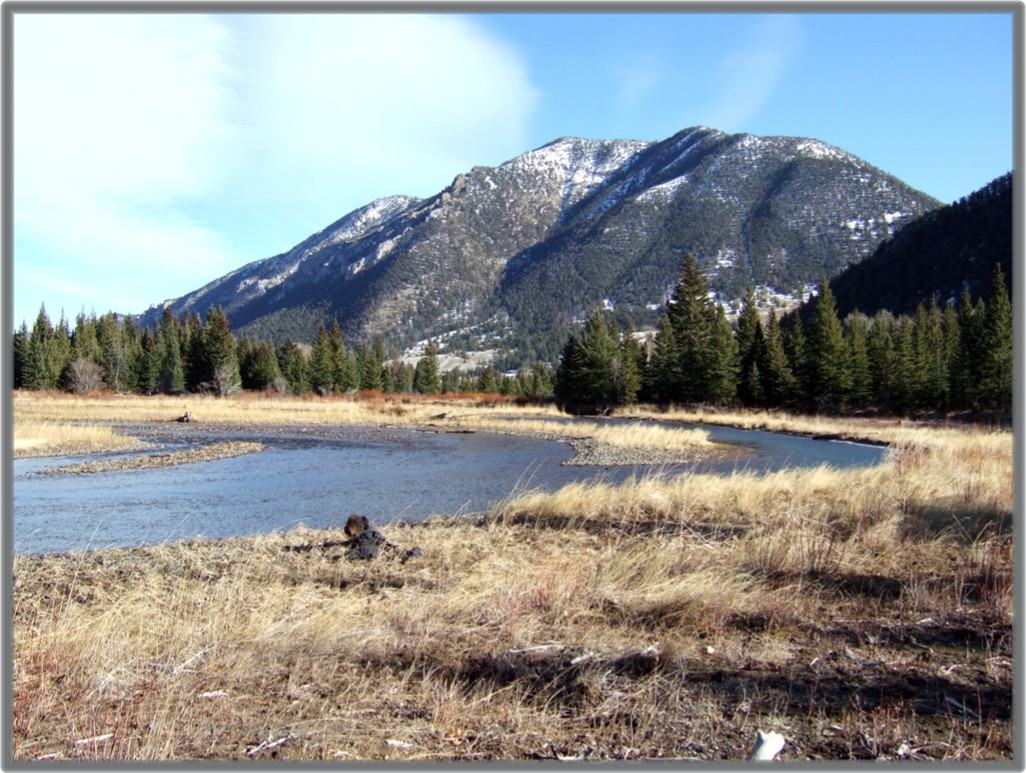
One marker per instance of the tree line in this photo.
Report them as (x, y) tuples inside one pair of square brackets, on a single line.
[(955, 358), (202, 355)]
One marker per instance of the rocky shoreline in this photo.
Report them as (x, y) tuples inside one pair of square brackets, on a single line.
[(589, 452)]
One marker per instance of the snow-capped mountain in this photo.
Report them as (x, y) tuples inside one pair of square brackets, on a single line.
[(508, 257)]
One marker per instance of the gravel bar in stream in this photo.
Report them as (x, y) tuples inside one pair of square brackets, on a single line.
[(207, 453)]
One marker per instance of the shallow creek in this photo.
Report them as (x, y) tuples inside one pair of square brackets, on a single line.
[(318, 476)]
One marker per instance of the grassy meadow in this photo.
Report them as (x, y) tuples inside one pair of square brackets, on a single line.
[(862, 614)]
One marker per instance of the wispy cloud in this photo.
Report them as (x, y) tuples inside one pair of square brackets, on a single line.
[(142, 140), (364, 105), (751, 69), (637, 81), (119, 122)]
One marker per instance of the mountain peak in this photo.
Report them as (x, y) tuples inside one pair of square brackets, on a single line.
[(510, 256)]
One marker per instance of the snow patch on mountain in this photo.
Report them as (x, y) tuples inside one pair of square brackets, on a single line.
[(358, 224), (579, 165), (263, 285), (664, 192), (818, 149)]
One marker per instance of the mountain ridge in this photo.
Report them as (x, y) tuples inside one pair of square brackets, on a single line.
[(508, 257), (936, 256)]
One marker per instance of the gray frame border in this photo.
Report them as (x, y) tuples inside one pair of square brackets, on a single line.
[(10, 8)]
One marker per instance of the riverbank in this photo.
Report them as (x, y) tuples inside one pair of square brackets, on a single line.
[(44, 423), (663, 623), (863, 614)]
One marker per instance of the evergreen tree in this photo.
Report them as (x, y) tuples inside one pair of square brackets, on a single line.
[(629, 367), (796, 348), (861, 393), (61, 349), (192, 348), (779, 386), (487, 381), (292, 366), (343, 367), (388, 379), (964, 376), (378, 359), (721, 362), (39, 361), (750, 346), (84, 345), (507, 386), (148, 371), (571, 364), (663, 372), (586, 373), (321, 371), (880, 355), (904, 376), (244, 350), (693, 320), (931, 371), (996, 354), (402, 377), (131, 342), (950, 335), (542, 381), (171, 378), (218, 357), (827, 359), (368, 365), (451, 381), (264, 370), (19, 349), (426, 379)]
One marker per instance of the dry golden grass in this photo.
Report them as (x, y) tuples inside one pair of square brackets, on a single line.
[(262, 409), (862, 613), (45, 438)]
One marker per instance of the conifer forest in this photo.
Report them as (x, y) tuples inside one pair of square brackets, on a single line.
[(952, 358)]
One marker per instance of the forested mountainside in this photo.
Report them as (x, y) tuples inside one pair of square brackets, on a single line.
[(508, 258), (935, 256)]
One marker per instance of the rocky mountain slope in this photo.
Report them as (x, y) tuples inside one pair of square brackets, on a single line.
[(508, 257)]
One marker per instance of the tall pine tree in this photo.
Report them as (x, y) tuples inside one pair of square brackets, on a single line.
[(827, 357), (996, 356)]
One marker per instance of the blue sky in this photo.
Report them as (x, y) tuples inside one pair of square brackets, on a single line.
[(154, 153)]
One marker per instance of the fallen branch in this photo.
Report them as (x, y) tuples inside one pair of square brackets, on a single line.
[(962, 707), (553, 646), (94, 739)]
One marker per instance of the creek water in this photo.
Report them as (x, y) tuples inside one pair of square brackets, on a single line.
[(318, 477)]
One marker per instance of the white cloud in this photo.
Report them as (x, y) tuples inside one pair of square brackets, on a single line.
[(750, 72), (380, 103), (118, 121), (146, 146), (120, 105)]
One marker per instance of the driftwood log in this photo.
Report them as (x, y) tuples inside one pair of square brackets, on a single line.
[(364, 542)]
